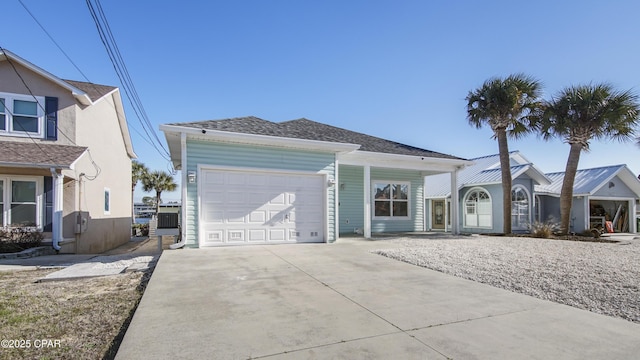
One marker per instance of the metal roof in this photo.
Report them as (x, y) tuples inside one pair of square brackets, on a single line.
[(485, 170), (589, 181)]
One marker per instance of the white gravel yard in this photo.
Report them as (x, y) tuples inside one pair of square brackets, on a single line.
[(599, 277)]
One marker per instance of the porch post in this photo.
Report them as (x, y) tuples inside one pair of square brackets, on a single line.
[(455, 227), (58, 200), (367, 201), (632, 217)]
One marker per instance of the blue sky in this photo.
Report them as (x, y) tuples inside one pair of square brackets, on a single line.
[(398, 70)]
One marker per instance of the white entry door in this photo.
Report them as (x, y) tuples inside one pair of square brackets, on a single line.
[(247, 207)]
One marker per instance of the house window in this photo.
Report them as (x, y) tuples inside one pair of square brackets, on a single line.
[(391, 200), (538, 208), (21, 115), (20, 201), (477, 209), (23, 211), (519, 208), (3, 116), (107, 201)]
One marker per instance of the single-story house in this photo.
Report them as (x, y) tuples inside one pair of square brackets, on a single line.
[(480, 196), (600, 195), (252, 181)]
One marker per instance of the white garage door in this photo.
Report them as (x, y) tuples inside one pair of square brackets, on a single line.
[(244, 207)]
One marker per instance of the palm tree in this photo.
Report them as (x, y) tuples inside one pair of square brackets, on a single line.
[(159, 181), (507, 106), (578, 114), (138, 172)]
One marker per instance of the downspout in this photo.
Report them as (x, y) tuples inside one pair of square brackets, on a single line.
[(183, 213), (56, 221)]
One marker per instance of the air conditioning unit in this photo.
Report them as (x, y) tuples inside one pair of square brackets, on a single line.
[(167, 220)]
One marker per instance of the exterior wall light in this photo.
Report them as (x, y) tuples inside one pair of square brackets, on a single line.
[(191, 175)]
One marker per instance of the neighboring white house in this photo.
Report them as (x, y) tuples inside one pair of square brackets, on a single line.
[(252, 181), (65, 164)]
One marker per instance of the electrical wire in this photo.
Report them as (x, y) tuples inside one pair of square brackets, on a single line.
[(126, 85), (110, 45)]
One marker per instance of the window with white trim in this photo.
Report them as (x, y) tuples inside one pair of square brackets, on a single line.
[(20, 201), (477, 209), (21, 115), (519, 207), (391, 200)]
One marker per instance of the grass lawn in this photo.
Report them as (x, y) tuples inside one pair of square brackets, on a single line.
[(72, 319)]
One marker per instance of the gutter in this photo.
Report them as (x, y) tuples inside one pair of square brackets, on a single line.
[(183, 188), (56, 224)]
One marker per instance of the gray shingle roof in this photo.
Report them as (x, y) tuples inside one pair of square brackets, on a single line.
[(95, 91), (311, 130), (39, 155)]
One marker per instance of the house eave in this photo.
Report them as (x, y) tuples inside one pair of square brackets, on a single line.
[(254, 139), (78, 94), (399, 161), (36, 166)]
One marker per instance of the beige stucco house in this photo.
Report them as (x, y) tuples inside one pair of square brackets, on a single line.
[(65, 158)]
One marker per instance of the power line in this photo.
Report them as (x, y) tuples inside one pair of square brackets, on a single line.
[(50, 37), (138, 103), (110, 45)]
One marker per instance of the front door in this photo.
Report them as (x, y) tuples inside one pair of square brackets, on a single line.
[(437, 214)]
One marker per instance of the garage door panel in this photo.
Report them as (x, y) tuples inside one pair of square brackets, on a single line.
[(213, 197), (235, 236), (258, 217), (279, 234), (250, 207), (235, 217), (213, 216), (236, 178), (214, 178), (236, 197), (257, 235)]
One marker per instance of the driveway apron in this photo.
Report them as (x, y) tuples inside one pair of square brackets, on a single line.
[(341, 301)]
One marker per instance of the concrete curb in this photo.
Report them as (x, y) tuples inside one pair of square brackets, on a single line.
[(29, 253)]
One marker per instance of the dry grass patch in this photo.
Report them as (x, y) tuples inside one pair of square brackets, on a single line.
[(87, 317)]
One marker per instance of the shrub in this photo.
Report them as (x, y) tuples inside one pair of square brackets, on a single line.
[(544, 229), (140, 229), (19, 238)]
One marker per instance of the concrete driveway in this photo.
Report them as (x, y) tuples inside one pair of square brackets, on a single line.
[(339, 301)]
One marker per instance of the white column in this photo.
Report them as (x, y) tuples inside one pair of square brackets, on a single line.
[(367, 201), (455, 227), (58, 200)]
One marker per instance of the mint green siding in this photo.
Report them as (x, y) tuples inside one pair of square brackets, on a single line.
[(253, 157), (416, 207), (351, 186)]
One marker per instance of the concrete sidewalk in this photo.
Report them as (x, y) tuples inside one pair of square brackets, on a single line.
[(339, 301), (136, 255)]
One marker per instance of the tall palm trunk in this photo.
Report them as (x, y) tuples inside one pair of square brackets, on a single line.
[(505, 167), (566, 194), (158, 202)]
